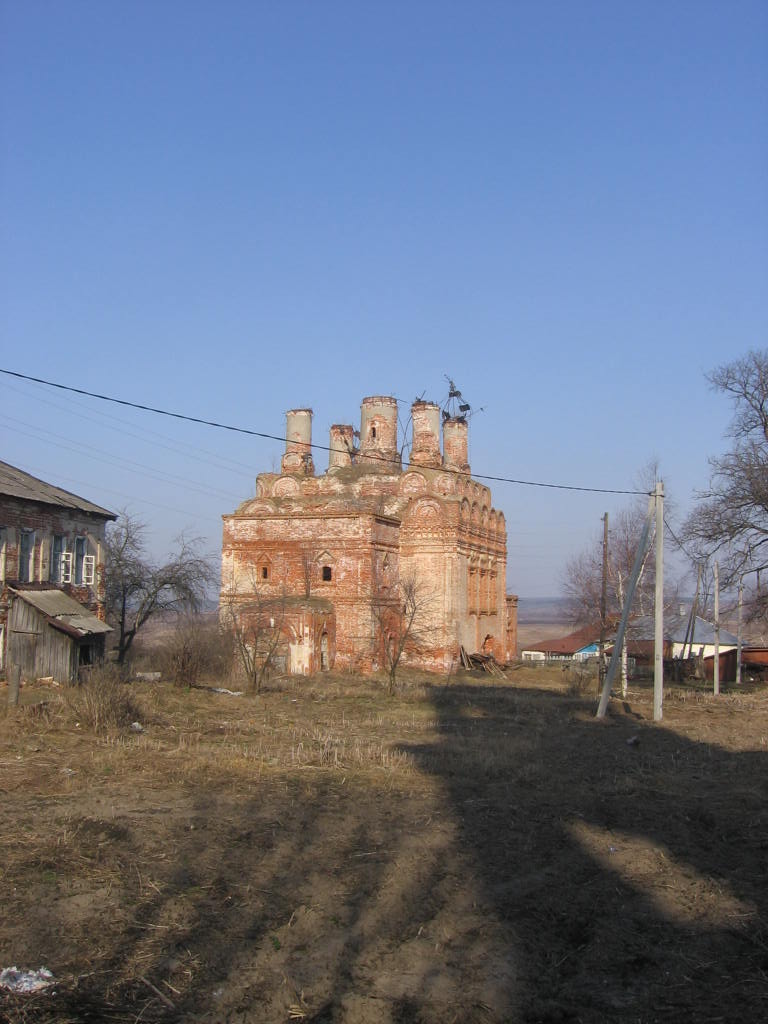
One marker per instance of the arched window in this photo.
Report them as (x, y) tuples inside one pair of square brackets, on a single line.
[(263, 568)]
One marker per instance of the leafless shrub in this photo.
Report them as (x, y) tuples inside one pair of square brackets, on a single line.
[(255, 622), (104, 702), (579, 678), (196, 648), (403, 624)]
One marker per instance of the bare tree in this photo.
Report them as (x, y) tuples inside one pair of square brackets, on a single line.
[(402, 622), (582, 580), (730, 522), (137, 589), (256, 622), (197, 647)]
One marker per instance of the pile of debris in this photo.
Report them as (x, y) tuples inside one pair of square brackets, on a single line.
[(484, 662)]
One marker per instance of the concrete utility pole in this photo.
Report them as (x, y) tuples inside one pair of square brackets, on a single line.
[(738, 631), (658, 632), (716, 665), (603, 603)]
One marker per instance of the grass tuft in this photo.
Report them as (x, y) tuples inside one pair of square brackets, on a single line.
[(104, 703)]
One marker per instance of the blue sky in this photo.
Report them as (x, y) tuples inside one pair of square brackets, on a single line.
[(234, 209)]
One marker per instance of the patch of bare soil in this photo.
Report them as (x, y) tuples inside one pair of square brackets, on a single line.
[(470, 852)]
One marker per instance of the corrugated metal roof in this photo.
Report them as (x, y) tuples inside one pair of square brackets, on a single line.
[(85, 623), (675, 627), (15, 483), (63, 610)]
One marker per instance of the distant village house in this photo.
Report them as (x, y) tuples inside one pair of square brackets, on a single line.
[(684, 638)]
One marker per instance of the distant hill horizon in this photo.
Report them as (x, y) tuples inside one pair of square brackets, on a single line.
[(542, 609)]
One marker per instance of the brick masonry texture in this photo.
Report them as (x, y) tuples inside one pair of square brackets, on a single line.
[(330, 549)]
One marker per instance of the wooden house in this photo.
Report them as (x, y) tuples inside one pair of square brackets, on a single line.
[(49, 539), (51, 635)]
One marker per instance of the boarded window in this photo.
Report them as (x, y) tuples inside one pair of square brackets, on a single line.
[(26, 556)]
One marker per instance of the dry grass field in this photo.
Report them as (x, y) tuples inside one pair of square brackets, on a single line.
[(467, 851)]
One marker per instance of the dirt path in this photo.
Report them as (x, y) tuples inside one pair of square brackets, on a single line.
[(472, 853)]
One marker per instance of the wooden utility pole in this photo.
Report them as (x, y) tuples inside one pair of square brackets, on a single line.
[(694, 613), (658, 632), (716, 665), (738, 631), (642, 548), (603, 603)]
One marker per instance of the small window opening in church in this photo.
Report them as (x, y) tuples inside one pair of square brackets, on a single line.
[(373, 432), (265, 572), (326, 573)]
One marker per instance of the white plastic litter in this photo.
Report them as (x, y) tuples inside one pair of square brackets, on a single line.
[(25, 981)]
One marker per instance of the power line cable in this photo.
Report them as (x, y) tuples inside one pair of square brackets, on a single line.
[(319, 447), (694, 558), (188, 513), (102, 419), (159, 476)]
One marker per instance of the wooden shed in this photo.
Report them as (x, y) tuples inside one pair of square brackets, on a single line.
[(50, 634)]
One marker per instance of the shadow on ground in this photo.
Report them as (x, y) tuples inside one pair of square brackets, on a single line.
[(628, 862), (528, 864)]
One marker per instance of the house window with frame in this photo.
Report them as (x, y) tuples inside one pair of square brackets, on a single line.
[(58, 550), (3, 552), (80, 545), (26, 556)]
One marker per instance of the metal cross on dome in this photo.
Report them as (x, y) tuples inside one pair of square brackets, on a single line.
[(455, 406)]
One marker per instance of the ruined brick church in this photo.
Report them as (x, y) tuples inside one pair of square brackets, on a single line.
[(322, 552)]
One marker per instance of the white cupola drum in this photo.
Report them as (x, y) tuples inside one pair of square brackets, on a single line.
[(298, 443)]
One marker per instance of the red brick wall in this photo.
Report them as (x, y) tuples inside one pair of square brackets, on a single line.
[(374, 526)]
